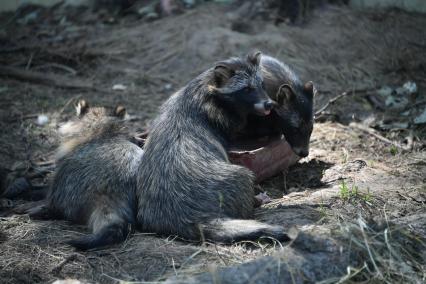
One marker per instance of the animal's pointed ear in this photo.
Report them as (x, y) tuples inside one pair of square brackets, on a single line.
[(120, 111), (254, 57), (310, 89), (285, 94), (222, 73), (82, 107)]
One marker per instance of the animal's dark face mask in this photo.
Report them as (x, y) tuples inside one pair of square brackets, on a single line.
[(296, 114), (240, 84)]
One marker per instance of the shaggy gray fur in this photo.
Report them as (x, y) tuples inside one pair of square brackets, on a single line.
[(95, 183), (294, 115), (186, 184)]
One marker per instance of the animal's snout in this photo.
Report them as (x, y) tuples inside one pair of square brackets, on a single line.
[(264, 108), (269, 105), (301, 152)]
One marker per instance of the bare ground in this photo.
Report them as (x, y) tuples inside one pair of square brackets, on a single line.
[(356, 201)]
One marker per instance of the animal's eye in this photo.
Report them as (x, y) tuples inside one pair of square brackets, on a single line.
[(247, 89)]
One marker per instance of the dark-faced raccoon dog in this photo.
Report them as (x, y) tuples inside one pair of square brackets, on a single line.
[(293, 117), (186, 184), (94, 183)]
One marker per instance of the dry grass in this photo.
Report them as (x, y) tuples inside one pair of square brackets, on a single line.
[(339, 49), (359, 252), (34, 252), (382, 253)]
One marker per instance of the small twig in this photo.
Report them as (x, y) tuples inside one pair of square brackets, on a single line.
[(218, 254), (174, 266), (57, 66), (189, 259), (30, 60), (338, 97), (164, 58), (164, 79), (44, 79), (330, 102), (61, 265), (376, 135), (73, 99)]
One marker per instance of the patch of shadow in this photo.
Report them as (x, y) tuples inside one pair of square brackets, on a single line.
[(309, 259), (23, 272), (302, 176), (3, 237), (289, 215), (307, 175), (244, 27)]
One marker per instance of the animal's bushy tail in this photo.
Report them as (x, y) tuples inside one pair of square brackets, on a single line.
[(226, 230), (110, 234)]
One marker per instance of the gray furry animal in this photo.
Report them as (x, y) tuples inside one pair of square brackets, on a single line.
[(95, 181), (294, 115), (186, 184)]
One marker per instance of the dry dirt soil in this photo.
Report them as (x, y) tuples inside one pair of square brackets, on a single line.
[(355, 207)]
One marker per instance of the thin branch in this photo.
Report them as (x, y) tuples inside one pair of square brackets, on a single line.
[(373, 133), (44, 79), (57, 269), (57, 66), (330, 102), (338, 97)]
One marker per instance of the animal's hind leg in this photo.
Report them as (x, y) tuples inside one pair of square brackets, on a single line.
[(108, 228), (108, 235), (233, 230)]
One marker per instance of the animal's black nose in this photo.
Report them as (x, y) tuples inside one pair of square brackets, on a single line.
[(269, 105), (303, 153)]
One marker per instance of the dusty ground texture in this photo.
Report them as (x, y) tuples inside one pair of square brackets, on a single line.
[(355, 206)]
